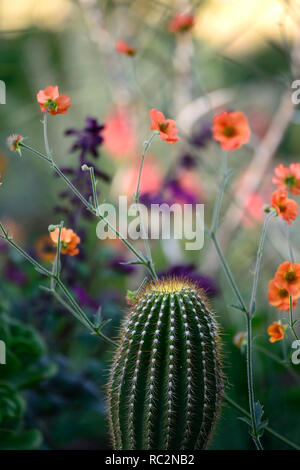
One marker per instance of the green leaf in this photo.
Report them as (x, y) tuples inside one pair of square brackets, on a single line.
[(99, 322)]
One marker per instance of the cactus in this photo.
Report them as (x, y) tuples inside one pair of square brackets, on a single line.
[(166, 382)]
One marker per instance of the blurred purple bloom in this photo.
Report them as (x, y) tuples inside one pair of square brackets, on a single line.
[(83, 297), (176, 193), (202, 135), (13, 274), (188, 271), (171, 192), (149, 198), (88, 139), (116, 263), (188, 161)]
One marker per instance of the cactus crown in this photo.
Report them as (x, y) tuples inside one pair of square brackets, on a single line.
[(166, 380)]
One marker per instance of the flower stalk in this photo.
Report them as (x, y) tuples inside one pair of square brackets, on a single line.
[(54, 276), (90, 207), (249, 312), (147, 145)]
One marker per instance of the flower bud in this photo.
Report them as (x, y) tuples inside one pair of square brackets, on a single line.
[(267, 208), (239, 339), (131, 297), (13, 142)]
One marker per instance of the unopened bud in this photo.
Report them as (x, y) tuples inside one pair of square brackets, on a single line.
[(13, 142), (131, 297), (267, 208)]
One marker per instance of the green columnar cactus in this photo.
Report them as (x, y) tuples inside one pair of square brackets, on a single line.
[(165, 382)]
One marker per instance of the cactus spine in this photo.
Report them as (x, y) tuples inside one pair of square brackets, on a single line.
[(165, 382)]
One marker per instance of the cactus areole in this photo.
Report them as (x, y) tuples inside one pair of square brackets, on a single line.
[(165, 383)]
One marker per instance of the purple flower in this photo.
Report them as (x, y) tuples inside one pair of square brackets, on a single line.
[(13, 274), (188, 271), (176, 193), (117, 264), (83, 297), (202, 135), (188, 161), (88, 139), (171, 192)]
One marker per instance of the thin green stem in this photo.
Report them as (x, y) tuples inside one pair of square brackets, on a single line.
[(251, 396), (56, 263), (31, 260), (47, 148), (88, 205), (292, 323), (74, 308), (218, 203), (249, 313), (267, 428), (146, 148), (136, 198), (228, 272), (94, 187), (85, 320), (258, 261)]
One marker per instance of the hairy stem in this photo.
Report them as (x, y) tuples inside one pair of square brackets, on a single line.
[(228, 273), (258, 262), (89, 207), (72, 306), (242, 305), (47, 148), (136, 198), (292, 322), (218, 203)]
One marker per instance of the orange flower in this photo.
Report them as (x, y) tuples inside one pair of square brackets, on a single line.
[(68, 239), (288, 277), (276, 331), (231, 129), (279, 297), (122, 47), (50, 100), (44, 248), (288, 177), (286, 208), (181, 23), (166, 127)]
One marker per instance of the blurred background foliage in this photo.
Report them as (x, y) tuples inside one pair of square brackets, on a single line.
[(240, 55)]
